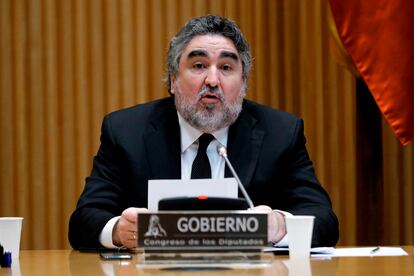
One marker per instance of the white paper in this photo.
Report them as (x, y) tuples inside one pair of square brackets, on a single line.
[(165, 188), (349, 251), (365, 252), (314, 250)]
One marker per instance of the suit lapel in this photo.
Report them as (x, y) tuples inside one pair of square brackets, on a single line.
[(244, 144), (163, 142)]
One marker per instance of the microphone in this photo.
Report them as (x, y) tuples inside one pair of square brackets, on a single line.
[(222, 151)]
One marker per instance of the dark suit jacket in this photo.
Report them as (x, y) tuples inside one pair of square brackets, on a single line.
[(265, 146)]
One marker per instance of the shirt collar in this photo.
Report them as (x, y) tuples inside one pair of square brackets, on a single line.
[(189, 134)]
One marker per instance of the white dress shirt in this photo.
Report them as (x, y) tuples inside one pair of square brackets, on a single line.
[(189, 146)]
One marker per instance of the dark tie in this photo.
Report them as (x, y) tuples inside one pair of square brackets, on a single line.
[(201, 166)]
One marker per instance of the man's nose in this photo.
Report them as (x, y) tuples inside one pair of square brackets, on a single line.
[(213, 78)]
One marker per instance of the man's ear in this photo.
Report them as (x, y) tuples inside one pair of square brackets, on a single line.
[(244, 88), (172, 84)]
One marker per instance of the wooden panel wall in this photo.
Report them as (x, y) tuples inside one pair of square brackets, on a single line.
[(64, 64), (398, 190)]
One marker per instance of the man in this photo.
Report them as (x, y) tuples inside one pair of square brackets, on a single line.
[(208, 67)]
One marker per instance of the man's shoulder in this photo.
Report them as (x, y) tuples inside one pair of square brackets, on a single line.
[(143, 111), (278, 125), (263, 112)]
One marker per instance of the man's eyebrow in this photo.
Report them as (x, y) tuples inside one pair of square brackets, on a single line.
[(197, 53), (227, 54), (224, 54)]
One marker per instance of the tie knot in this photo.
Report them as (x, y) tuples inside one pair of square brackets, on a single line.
[(204, 140)]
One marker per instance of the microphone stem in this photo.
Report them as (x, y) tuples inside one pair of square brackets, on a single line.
[(246, 196)]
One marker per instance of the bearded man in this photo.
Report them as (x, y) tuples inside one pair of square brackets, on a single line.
[(208, 67)]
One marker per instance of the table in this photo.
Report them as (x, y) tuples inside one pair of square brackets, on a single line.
[(70, 262)]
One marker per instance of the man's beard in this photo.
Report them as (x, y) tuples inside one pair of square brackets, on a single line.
[(209, 117)]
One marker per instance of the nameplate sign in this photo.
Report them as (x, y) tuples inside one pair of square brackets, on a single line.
[(203, 230)]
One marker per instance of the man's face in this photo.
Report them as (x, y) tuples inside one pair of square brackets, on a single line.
[(209, 87)]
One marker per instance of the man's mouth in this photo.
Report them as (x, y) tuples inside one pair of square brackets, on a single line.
[(209, 98)]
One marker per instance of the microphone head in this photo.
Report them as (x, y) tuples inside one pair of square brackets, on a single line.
[(222, 151)]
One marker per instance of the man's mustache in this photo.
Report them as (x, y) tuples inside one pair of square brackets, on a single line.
[(211, 90)]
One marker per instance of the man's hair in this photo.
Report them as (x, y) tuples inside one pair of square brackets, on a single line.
[(204, 25)]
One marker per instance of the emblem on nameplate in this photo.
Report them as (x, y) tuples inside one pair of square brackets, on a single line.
[(155, 229)]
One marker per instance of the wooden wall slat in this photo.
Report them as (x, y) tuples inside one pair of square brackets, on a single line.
[(142, 51), (82, 114), (260, 51), (36, 173), (127, 44), (67, 102), (20, 116), (408, 164), (398, 189), (110, 46), (347, 185), (274, 48), (64, 64), (6, 105), (54, 219), (96, 66)]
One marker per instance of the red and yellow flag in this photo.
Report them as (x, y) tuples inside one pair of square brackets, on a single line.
[(379, 36)]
